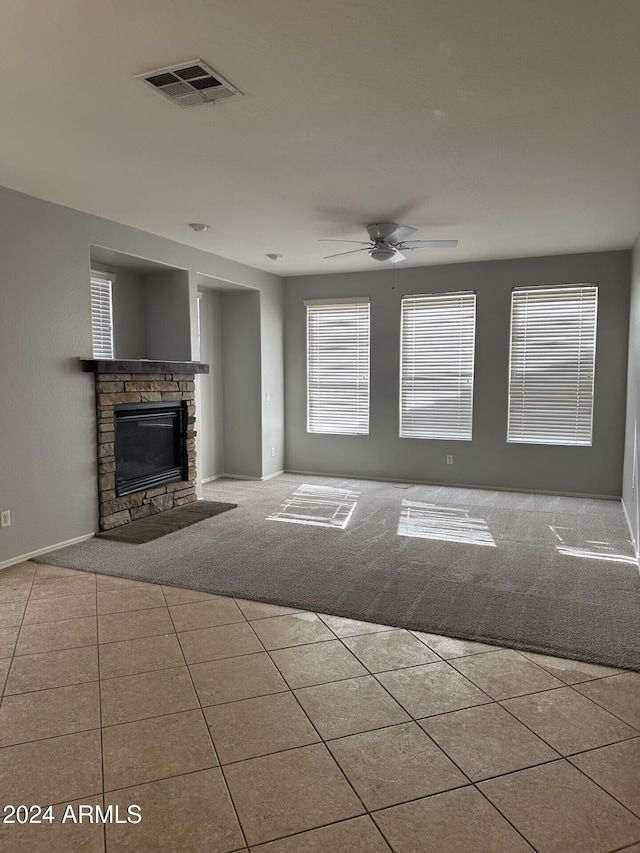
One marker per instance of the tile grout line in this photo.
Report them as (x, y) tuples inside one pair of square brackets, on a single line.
[(320, 741), (370, 674), (626, 847), (64, 648), (15, 646), (604, 708), (608, 793), (313, 725), (415, 719), (578, 752), (66, 734), (55, 651), (104, 826), (411, 717), (213, 746), (411, 720), (49, 737), (493, 805), (536, 734), (325, 826)]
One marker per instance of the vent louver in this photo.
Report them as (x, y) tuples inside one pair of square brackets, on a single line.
[(189, 83)]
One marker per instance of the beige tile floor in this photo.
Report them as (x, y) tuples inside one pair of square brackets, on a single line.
[(239, 726)]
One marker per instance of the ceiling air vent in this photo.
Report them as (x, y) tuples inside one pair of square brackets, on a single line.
[(189, 83)]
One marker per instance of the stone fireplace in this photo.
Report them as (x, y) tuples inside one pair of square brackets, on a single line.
[(145, 412)]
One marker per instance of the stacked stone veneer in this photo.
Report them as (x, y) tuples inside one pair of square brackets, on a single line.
[(114, 388)]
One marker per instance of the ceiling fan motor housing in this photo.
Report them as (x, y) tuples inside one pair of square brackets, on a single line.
[(381, 231)]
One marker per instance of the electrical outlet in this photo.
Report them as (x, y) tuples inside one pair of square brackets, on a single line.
[(273, 451), (5, 518), (449, 460), (267, 397)]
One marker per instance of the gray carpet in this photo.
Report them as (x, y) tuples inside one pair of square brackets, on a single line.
[(540, 573)]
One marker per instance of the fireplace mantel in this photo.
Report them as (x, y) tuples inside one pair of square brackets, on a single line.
[(141, 365)]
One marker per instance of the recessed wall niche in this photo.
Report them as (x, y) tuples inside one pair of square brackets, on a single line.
[(151, 314)]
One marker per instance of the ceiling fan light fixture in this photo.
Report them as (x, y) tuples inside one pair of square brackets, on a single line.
[(381, 254)]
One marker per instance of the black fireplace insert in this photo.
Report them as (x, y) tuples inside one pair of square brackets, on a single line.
[(150, 445)]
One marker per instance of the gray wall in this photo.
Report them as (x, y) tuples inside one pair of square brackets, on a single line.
[(631, 484), (487, 460), (129, 329), (211, 402), (242, 384), (272, 339), (47, 415), (241, 329), (167, 315)]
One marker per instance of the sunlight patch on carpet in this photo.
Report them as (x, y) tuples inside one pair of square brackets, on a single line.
[(319, 506), (591, 549), (429, 521)]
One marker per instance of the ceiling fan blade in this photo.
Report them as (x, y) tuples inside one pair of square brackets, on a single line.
[(398, 256), (350, 252), (401, 233), (430, 244), (334, 240)]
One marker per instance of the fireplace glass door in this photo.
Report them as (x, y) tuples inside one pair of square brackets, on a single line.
[(149, 446)]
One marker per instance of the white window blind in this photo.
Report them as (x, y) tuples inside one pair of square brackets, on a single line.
[(552, 364), (338, 366), (102, 314), (436, 365)]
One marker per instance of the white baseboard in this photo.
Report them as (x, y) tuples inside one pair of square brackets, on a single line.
[(239, 477), (23, 557), (211, 479), (242, 477)]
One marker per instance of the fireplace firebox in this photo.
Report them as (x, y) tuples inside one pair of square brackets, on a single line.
[(150, 447)]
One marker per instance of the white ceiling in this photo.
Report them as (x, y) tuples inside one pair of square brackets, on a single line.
[(511, 125)]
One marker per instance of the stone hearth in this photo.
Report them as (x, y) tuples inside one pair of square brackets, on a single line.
[(121, 381)]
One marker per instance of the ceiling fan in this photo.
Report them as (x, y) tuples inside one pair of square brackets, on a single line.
[(388, 241)]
